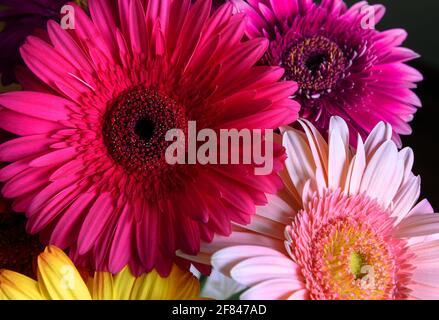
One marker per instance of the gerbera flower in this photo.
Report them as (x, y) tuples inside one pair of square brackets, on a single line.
[(58, 279), (90, 166), (342, 64), (346, 226), (19, 19)]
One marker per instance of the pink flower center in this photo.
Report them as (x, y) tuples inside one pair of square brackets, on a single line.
[(315, 63), (345, 249), (135, 126)]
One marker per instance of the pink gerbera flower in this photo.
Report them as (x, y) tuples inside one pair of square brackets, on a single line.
[(346, 225), (343, 66), (90, 166)]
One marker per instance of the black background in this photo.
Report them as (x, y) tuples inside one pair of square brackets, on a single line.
[(287, 310)]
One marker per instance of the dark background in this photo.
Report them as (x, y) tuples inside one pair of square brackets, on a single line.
[(421, 18)]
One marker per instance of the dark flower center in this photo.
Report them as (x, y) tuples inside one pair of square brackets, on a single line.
[(316, 64), (135, 126), (145, 128)]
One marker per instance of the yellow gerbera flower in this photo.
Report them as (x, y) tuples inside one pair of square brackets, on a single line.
[(58, 279)]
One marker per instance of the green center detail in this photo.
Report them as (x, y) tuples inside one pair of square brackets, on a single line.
[(356, 262)]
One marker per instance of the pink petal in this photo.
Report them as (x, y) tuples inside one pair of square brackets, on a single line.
[(95, 222), (23, 125), (120, 252), (276, 289), (225, 259), (54, 157), (20, 148), (255, 270), (64, 232), (35, 104), (418, 225)]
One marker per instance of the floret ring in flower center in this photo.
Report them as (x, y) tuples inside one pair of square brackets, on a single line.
[(135, 126), (316, 64), (345, 248), (355, 262)]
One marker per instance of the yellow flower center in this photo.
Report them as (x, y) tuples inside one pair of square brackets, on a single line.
[(355, 263)]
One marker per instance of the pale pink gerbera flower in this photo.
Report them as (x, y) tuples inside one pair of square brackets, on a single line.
[(342, 64), (346, 226), (90, 167)]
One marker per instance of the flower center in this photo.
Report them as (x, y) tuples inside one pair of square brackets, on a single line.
[(315, 61), (345, 249), (135, 126), (354, 262), (316, 64)]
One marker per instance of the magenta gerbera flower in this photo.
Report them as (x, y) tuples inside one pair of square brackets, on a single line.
[(90, 166), (343, 66)]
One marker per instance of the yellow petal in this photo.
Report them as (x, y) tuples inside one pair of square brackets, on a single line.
[(123, 284), (184, 286), (146, 288), (15, 286), (103, 288), (58, 278), (178, 285)]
